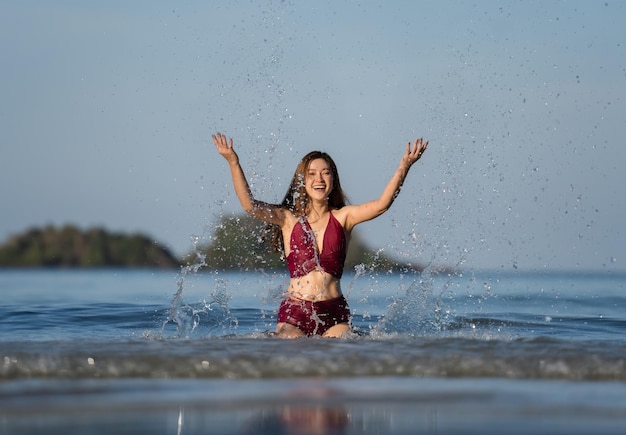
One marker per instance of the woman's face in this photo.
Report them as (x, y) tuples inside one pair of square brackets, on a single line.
[(319, 180)]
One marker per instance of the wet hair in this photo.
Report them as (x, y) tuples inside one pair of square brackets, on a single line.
[(296, 199)]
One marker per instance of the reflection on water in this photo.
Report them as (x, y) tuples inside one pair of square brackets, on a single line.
[(373, 405), (300, 419)]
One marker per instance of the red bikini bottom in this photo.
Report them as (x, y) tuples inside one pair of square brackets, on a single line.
[(314, 318)]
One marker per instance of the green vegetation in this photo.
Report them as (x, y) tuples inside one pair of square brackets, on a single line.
[(237, 244), (68, 246)]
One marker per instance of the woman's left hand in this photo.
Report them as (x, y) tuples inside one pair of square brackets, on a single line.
[(413, 153)]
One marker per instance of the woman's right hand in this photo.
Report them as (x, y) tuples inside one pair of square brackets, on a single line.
[(225, 148), (413, 153)]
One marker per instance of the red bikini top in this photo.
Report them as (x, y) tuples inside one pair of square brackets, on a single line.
[(304, 257)]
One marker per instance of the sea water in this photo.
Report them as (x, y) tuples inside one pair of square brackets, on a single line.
[(117, 351)]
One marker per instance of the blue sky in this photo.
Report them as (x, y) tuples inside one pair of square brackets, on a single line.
[(107, 110)]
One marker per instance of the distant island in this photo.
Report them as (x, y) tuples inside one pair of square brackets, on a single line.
[(69, 246), (236, 244)]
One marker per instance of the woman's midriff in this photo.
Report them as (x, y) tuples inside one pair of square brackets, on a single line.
[(315, 286)]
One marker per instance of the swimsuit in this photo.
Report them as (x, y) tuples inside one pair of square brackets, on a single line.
[(304, 257), (314, 318)]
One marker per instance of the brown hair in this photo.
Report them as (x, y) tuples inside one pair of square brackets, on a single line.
[(296, 199)]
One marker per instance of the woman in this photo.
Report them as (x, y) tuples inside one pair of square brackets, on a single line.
[(312, 228)]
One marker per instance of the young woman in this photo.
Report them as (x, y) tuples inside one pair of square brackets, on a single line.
[(312, 228)]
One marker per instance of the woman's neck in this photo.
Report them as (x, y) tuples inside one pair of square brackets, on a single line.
[(317, 211)]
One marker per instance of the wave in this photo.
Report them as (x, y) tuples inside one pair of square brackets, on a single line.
[(260, 356)]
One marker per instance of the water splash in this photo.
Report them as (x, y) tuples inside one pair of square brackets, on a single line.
[(216, 312), (419, 311), (207, 318), (180, 314)]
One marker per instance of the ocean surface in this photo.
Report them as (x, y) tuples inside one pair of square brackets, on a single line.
[(167, 352)]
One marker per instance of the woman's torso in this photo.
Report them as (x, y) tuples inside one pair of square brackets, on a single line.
[(313, 283)]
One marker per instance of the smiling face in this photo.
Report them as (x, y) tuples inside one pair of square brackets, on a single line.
[(319, 179), (315, 179)]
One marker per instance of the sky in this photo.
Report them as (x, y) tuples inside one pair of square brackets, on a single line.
[(107, 109)]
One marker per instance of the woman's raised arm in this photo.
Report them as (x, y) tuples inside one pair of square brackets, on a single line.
[(369, 210), (259, 209)]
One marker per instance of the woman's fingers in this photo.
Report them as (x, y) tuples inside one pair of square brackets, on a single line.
[(221, 141), (416, 150)]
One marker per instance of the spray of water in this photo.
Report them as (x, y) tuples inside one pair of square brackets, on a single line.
[(180, 314)]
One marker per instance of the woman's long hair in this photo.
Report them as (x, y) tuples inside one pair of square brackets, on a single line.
[(296, 199)]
